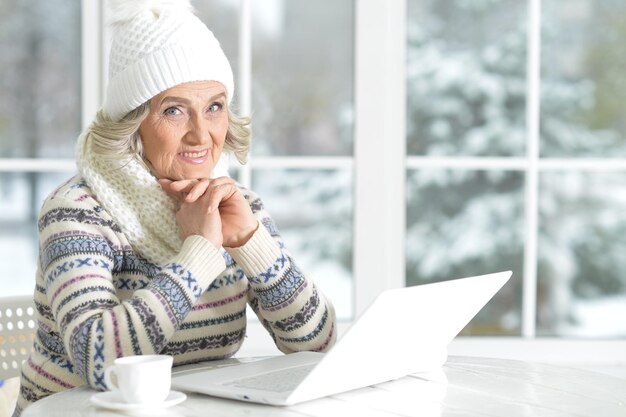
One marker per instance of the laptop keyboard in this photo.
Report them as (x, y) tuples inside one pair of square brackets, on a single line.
[(277, 381)]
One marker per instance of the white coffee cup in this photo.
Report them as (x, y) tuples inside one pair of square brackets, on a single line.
[(141, 379)]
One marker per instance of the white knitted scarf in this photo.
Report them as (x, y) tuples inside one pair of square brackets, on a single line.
[(135, 201)]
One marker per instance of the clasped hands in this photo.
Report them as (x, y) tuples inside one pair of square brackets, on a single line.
[(213, 208)]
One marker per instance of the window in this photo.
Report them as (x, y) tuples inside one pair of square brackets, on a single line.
[(582, 286), (40, 117), (302, 108), (517, 170), (301, 102), (466, 98), (408, 141)]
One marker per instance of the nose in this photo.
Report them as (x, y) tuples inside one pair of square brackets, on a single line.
[(198, 131)]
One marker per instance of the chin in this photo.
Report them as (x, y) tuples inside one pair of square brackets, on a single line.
[(197, 174), (188, 172)]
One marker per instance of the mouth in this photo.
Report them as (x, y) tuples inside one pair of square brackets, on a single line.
[(197, 157)]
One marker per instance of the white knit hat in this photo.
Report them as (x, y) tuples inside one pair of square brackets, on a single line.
[(156, 45)]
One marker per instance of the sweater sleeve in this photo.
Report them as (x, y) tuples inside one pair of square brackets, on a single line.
[(78, 250), (296, 313)]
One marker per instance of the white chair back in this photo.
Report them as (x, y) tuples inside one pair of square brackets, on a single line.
[(17, 332)]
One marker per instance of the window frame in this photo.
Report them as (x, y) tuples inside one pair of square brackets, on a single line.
[(379, 192)]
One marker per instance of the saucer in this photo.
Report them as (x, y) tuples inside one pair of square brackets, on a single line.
[(113, 401)]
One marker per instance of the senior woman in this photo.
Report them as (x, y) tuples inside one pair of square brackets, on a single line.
[(151, 248)]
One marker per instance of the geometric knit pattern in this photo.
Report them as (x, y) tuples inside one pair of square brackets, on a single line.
[(97, 299)]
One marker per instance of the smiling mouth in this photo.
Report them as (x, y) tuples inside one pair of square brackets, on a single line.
[(194, 154)]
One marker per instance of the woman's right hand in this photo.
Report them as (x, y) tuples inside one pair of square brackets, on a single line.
[(194, 217)]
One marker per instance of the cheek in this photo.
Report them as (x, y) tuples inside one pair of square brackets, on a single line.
[(221, 131), (151, 150), (164, 165), (158, 149)]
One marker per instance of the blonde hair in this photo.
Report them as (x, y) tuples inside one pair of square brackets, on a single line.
[(121, 140)]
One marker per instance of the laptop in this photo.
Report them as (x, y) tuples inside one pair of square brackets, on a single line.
[(404, 331)]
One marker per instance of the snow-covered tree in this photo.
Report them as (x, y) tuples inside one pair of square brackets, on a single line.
[(467, 96)]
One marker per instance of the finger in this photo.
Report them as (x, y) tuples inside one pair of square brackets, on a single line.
[(197, 190), (223, 179), (220, 189), (166, 185), (183, 185), (218, 193)]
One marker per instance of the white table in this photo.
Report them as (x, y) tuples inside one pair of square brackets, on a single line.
[(466, 387)]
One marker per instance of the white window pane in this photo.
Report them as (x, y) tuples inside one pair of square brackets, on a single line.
[(313, 212), (302, 77), (581, 283), (583, 79), (21, 196), (463, 223), (40, 63), (466, 77)]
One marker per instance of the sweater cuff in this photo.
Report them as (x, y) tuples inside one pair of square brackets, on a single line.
[(202, 257), (259, 251)]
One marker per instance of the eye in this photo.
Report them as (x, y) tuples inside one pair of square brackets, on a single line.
[(172, 111), (215, 107)]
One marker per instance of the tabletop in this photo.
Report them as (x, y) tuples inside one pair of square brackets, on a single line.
[(465, 386)]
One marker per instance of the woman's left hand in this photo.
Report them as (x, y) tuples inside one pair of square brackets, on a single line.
[(238, 222)]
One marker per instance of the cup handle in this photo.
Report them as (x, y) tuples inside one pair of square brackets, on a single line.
[(107, 378)]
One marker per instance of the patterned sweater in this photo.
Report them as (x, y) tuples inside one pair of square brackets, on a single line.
[(97, 299)]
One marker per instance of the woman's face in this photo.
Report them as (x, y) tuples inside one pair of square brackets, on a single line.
[(184, 133)]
